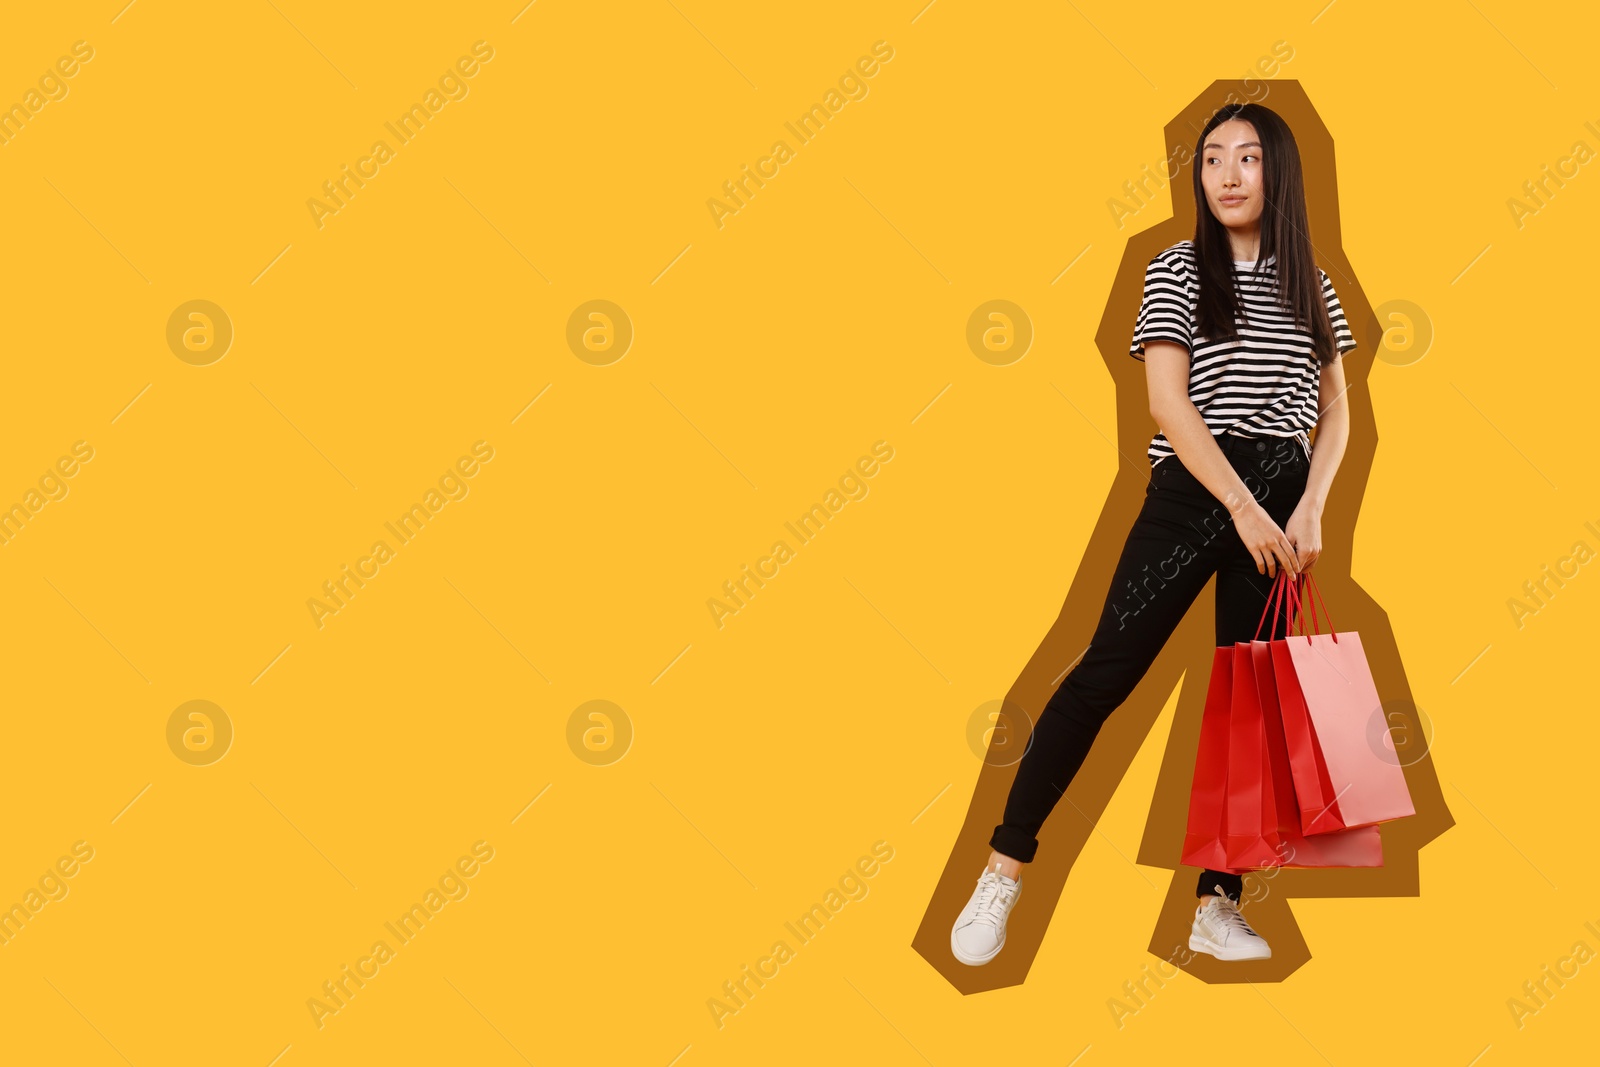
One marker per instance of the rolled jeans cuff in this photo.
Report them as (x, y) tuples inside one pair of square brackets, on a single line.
[(1232, 884), (1018, 844)]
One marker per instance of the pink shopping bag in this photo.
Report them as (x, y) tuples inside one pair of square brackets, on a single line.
[(1327, 698)]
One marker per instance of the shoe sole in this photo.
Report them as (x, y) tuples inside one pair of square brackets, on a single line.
[(973, 961), (1201, 944)]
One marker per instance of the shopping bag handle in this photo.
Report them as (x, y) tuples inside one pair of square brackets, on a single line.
[(1277, 598), (1304, 582), (1280, 599)]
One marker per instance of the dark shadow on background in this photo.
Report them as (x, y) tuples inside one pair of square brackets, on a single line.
[(1188, 654)]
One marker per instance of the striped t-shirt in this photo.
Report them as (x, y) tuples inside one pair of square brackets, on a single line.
[(1263, 384)]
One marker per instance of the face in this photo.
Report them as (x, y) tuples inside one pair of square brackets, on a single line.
[(1230, 173)]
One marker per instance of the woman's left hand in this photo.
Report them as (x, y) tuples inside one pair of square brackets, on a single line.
[(1304, 532)]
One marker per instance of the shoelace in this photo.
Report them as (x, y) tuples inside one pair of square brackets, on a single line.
[(992, 893), (1225, 915)]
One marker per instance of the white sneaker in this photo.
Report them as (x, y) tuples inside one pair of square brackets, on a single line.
[(980, 931), (1220, 930)]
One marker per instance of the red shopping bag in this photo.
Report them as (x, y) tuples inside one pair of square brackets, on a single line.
[(1252, 832), (1234, 819), (1202, 842), (1327, 698), (1237, 803), (1354, 847)]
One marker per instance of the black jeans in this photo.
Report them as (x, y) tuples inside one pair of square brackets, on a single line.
[(1183, 536)]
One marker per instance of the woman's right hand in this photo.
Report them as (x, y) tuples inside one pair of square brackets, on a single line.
[(1265, 540)]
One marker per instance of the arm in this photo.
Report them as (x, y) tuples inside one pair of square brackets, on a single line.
[(1167, 376), (1333, 433)]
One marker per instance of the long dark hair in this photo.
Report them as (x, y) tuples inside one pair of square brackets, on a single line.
[(1284, 234)]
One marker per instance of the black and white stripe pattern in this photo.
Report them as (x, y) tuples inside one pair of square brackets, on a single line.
[(1266, 382)]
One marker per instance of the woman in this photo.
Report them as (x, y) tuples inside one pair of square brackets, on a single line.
[(1241, 334)]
